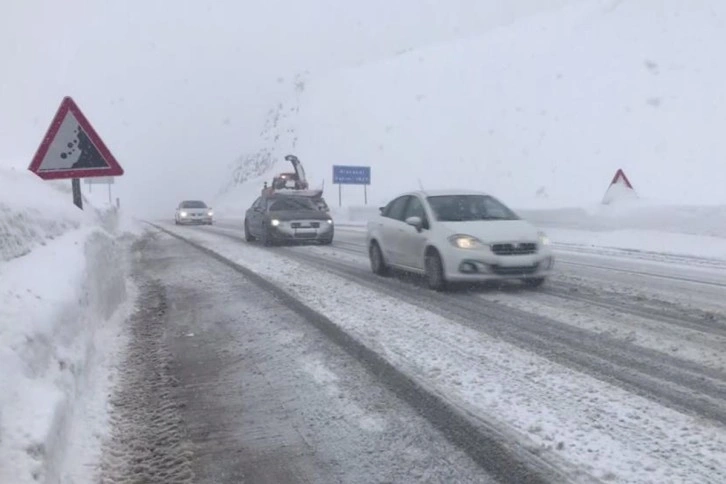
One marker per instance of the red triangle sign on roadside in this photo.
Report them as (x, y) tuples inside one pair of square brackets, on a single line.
[(72, 149), (621, 179), (620, 189)]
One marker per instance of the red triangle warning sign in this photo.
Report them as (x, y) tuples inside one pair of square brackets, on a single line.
[(620, 189), (72, 149), (620, 178)]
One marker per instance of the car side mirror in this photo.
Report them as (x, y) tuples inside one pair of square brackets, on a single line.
[(415, 222)]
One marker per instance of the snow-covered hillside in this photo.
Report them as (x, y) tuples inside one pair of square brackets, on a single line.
[(541, 112)]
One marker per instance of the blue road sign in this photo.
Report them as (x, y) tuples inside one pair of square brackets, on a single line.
[(351, 175)]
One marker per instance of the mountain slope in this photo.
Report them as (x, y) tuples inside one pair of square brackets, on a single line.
[(547, 108)]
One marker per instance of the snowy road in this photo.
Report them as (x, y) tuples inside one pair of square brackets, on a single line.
[(608, 372), (238, 387)]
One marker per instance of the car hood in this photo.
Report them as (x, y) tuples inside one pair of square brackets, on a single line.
[(195, 210), (494, 231), (300, 215)]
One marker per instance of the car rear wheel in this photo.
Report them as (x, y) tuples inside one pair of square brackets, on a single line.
[(248, 235), (378, 263), (534, 281), (435, 271)]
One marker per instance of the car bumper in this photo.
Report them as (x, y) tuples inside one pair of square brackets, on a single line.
[(287, 232), (196, 220), (462, 265)]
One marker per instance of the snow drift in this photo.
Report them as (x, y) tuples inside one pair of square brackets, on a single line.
[(64, 294), (32, 213), (541, 112)]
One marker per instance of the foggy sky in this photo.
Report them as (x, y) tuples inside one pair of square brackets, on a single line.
[(178, 89)]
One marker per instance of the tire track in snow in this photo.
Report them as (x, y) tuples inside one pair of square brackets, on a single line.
[(706, 322), (148, 441)]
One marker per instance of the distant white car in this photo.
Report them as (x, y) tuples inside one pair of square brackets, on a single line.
[(457, 236), (193, 212)]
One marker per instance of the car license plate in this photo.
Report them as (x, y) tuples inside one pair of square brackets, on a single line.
[(305, 234)]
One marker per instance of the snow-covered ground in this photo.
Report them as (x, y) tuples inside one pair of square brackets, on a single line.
[(568, 416), (64, 294)]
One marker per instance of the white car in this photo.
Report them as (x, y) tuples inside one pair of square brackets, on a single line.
[(453, 236), (193, 212)]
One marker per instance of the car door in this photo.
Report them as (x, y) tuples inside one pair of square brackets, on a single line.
[(392, 225), (411, 242)]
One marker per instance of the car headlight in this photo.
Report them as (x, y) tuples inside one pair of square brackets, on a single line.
[(330, 221), (543, 239), (183, 214), (465, 242), (210, 213), (274, 222)]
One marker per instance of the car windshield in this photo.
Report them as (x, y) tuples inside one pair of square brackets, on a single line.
[(465, 208), (291, 203), (193, 204)]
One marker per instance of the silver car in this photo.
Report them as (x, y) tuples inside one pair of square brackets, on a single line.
[(287, 218), (193, 212)]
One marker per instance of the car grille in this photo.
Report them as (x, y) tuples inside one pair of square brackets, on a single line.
[(522, 248), (514, 271), (298, 225)]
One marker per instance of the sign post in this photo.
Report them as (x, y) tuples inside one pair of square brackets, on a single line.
[(351, 175), (71, 148), (77, 195)]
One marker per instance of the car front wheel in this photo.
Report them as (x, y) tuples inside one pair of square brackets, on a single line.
[(266, 238), (435, 271), (248, 235), (378, 263)]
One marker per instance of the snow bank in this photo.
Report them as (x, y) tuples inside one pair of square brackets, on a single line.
[(694, 220), (541, 111), (63, 296), (32, 213)]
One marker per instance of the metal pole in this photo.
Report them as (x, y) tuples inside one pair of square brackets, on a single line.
[(77, 195), (340, 194), (365, 194)]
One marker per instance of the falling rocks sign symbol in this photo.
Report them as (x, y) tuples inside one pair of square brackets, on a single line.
[(89, 156), (72, 149)]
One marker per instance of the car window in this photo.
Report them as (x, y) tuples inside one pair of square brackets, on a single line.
[(193, 204), (416, 209), (396, 208), (291, 203), (466, 208)]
